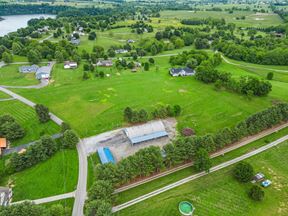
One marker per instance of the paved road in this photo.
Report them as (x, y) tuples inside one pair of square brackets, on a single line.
[(29, 103), (81, 194), (216, 154), (24, 146), (251, 66), (49, 199), (198, 175)]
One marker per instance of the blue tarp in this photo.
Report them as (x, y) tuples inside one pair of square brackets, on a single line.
[(105, 155), (147, 137)]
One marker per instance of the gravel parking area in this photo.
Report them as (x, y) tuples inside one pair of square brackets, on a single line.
[(120, 145)]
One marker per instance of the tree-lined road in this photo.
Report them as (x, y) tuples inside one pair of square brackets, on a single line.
[(198, 175)]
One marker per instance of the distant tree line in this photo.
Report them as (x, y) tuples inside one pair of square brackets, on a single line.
[(134, 116)]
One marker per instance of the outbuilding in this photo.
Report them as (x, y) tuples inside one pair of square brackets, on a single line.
[(146, 132), (70, 65), (3, 144), (105, 155)]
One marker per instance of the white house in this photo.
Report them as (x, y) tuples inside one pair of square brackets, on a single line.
[(70, 65), (175, 72)]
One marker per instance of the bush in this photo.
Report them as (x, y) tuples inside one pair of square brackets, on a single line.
[(10, 129), (256, 193), (42, 112), (70, 139), (243, 172), (270, 76), (187, 132)]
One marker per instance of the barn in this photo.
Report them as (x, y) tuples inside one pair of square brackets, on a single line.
[(146, 132)]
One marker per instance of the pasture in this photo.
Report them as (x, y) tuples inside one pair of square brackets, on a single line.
[(252, 19), (220, 194), (57, 175), (101, 101), (27, 118)]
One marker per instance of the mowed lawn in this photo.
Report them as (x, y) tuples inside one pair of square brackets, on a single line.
[(9, 75), (220, 194), (251, 18), (27, 118), (96, 105), (57, 175)]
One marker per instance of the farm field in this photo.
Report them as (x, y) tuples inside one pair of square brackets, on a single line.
[(55, 176), (220, 194), (161, 182), (252, 18), (103, 100), (27, 118), (9, 75)]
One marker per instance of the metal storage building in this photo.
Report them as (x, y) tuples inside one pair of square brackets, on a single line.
[(146, 132), (105, 155)]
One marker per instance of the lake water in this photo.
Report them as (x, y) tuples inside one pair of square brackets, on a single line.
[(12, 23)]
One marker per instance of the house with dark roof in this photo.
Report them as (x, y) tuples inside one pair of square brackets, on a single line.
[(5, 196), (75, 41), (28, 68), (175, 72)]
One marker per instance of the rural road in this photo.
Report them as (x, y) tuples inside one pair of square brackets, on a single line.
[(198, 175), (252, 67), (49, 199), (80, 193), (239, 144)]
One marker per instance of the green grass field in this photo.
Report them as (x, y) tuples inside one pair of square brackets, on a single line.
[(66, 203), (57, 175), (93, 160), (252, 18), (220, 194), (9, 75), (103, 100), (27, 118)]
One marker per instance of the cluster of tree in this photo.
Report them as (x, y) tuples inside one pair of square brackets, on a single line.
[(244, 172), (134, 116), (197, 148), (100, 197), (255, 53), (191, 59), (140, 27), (31, 209), (206, 21), (10, 129), (247, 85), (42, 113), (42, 150)]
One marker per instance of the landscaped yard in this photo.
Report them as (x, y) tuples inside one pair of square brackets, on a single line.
[(220, 194), (26, 117), (10, 75), (57, 175)]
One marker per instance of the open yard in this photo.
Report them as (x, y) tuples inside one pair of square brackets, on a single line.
[(251, 18), (55, 176), (220, 194), (27, 118), (9, 75), (101, 101)]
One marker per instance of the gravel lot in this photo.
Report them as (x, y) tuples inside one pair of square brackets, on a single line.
[(119, 144)]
